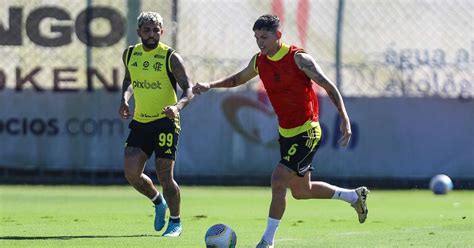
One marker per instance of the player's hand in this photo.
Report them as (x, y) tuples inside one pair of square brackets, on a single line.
[(200, 87), (346, 132), (171, 111), (124, 111)]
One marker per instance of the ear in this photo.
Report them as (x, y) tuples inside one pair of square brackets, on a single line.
[(278, 33)]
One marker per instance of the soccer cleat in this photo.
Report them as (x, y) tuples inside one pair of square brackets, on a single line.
[(360, 205), (160, 212), (264, 244), (173, 230)]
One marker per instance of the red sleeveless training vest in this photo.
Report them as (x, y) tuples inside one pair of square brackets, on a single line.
[(289, 89)]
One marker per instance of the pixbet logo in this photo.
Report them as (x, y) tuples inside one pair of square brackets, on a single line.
[(146, 85)]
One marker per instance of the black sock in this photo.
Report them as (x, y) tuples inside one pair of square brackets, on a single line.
[(158, 200), (177, 220)]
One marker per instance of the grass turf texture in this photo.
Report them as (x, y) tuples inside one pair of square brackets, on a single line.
[(117, 216)]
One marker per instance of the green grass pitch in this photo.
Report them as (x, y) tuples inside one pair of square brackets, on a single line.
[(117, 216)]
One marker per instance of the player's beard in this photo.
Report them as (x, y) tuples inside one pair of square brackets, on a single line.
[(150, 45)]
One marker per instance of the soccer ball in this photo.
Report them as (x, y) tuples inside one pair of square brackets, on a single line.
[(220, 236), (441, 184)]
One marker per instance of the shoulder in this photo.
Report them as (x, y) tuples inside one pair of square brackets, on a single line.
[(175, 56), (302, 57)]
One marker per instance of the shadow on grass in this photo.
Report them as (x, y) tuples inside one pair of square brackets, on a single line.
[(74, 237)]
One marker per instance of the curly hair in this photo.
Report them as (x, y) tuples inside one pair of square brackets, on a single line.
[(145, 17)]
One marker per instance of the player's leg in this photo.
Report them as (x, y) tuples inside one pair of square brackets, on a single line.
[(139, 148), (165, 152), (303, 148), (164, 171), (281, 176), (134, 165), (171, 191), (304, 188)]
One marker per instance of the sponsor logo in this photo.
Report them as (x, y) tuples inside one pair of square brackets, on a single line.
[(157, 56), (137, 53), (135, 64), (145, 65), (146, 85), (148, 116), (157, 66), (168, 151)]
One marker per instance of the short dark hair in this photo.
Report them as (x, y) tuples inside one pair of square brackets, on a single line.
[(267, 22)]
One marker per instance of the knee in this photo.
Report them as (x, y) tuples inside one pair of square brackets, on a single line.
[(165, 179), (132, 177)]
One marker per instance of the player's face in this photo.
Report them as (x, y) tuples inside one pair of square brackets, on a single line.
[(268, 41), (150, 34)]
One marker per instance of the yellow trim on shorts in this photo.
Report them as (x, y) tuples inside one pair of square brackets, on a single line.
[(290, 132)]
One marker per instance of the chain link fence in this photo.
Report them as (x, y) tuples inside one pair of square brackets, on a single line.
[(401, 48)]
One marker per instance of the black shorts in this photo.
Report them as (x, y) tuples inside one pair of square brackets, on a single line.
[(160, 136), (297, 152)]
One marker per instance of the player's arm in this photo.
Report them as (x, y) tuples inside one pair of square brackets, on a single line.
[(233, 80), (179, 73), (308, 65), (127, 91)]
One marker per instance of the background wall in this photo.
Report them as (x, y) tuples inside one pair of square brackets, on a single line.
[(405, 68)]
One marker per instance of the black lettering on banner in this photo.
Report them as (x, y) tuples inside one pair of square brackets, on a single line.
[(111, 87), (12, 35), (33, 23), (10, 128), (57, 79), (37, 126), (89, 127), (53, 128), (60, 31), (109, 125), (28, 78), (84, 19), (3, 79), (73, 130), (24, 126)]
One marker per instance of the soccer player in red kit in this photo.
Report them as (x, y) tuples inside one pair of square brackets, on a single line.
[(287, 73)]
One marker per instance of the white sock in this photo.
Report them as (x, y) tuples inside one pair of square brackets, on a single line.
[(269, 234), (174, 217), (347, 195)]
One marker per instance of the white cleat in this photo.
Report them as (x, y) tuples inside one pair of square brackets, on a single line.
[(360, 205), (264, 244)]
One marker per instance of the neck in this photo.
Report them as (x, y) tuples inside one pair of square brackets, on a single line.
[(276, 50), (146, 49)]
